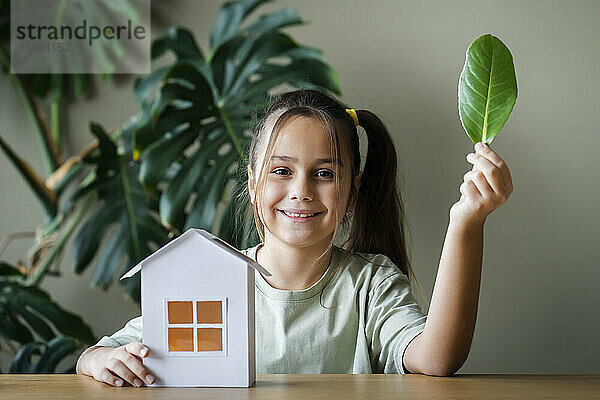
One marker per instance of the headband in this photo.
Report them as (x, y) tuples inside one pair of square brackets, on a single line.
[(353, 115)]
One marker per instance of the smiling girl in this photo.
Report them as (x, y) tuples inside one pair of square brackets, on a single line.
[(345, 308)]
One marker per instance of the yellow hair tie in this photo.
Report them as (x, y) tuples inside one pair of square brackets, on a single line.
[(353, 115)]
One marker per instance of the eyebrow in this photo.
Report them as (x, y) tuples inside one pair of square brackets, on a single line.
[(294, 159)]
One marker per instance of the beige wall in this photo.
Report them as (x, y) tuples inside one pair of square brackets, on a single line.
[(539, 309)]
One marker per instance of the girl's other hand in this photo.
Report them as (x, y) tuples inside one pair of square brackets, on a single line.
[(114, 365), (486, 187)]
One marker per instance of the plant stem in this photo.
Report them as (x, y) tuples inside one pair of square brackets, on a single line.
[(234, 138), (130, 211), (50, 152), (46, 196), (55, 121), (41, 270)]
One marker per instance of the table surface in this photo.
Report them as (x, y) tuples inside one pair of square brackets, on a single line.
[(289, 387)]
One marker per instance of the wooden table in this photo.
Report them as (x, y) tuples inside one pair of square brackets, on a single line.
[(313, 387)]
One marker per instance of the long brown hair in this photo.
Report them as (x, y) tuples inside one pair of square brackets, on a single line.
[(377, 224)]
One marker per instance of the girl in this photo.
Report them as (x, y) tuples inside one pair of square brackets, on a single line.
[(347, 308)]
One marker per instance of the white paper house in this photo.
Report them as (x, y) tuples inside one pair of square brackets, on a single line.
[(198, 312)]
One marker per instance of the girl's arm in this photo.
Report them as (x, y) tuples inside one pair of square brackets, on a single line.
[(443, 346)]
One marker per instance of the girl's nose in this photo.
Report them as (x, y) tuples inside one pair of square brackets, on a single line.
[(305, 197), (301, 191)]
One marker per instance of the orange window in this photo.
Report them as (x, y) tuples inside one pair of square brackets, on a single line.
[(181, 339), (209, 312), (195, 325), (180, 312), (210, 339)]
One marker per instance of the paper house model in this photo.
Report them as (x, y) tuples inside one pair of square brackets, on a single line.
[(198, 312)]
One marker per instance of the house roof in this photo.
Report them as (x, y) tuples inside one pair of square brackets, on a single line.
[(211, 239)]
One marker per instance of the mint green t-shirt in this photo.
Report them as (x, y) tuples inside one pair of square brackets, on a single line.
[(370, 317)]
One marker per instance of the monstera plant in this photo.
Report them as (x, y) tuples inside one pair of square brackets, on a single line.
[(28, 315), (173, 165)]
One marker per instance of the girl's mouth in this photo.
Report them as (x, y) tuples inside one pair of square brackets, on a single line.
[(299, 217)]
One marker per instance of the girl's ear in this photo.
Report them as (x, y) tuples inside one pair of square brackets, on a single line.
[(251, 184)]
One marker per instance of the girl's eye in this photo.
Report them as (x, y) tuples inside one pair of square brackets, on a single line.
[(325, 173), (280, 171)]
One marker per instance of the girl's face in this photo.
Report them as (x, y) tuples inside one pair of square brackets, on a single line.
[(299, 202)]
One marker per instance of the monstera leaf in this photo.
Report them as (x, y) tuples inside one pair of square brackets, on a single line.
[(50, 354), (121, 202), (487, 88), (192, 131), (28, 310)]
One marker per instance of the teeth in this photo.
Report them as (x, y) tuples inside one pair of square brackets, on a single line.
[(297, 215)]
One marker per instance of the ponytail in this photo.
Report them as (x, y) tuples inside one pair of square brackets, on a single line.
[(379, 221)]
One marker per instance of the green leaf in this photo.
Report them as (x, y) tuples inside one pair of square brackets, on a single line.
[(15, 296), (22, 362), (180, 41), (87, 240), (11, 327), (229, 18), (170, 120), (157, 158), (143, 86), (222, 63), (270, 44), (58, 348), (487, 88), (50, 355), (226, 229), (36, 323), (121, 200), (174, 199), (106, 145), (110, 259), (209, 193), (285, 17)]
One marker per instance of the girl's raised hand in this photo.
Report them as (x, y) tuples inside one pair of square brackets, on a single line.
[(486, 187), (114, 365)]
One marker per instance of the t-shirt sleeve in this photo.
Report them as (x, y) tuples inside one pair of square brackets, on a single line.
[(131, 332), (394, 319)]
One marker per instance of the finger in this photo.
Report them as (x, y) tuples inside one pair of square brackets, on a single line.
[(490, 154), (108, 377), (482, 184), (137, 349), (135, 364), (499, 162), (469, 190), (478, 178), (119, 368), (490, 170)]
